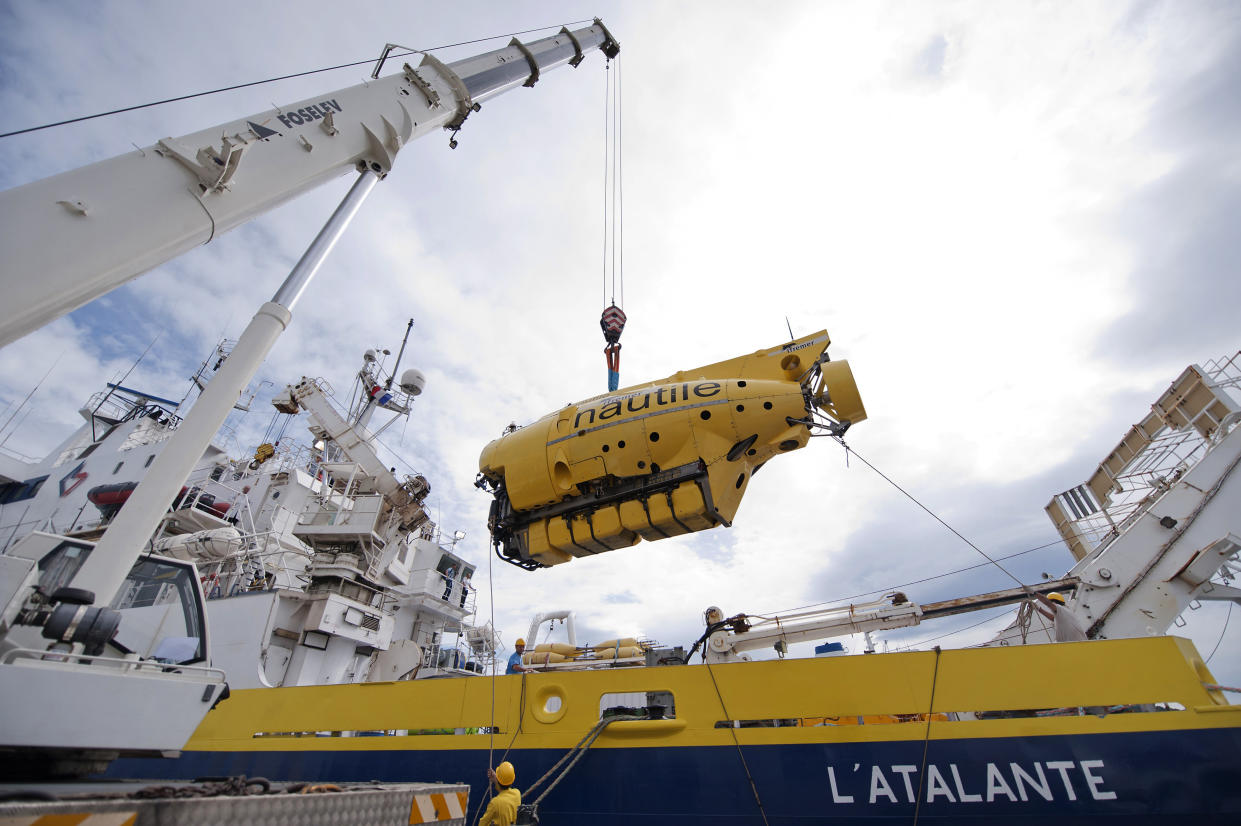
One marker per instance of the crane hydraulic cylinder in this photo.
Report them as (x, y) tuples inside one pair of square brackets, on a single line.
[(661, 459)]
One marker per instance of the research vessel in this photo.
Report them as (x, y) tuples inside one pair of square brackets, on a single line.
[(311, 582)]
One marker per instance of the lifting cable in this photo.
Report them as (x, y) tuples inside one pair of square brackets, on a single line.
[(273, 80), (612, 322)]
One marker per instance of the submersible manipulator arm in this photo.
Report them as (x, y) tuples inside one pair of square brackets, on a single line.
[(72, 237), (263, 161)]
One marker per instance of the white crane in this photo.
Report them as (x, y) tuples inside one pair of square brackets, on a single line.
[(75, 236)]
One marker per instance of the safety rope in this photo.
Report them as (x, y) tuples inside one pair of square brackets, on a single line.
[(1223, 631), (933, 514), (491, 727), (575, 754), (926, 739), (521, 716), (737, 743)]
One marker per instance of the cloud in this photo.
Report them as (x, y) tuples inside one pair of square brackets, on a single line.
[(1187, 253), (620, 598), (1015, 258), (930, 62)]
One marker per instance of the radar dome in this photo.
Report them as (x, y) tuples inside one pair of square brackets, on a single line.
[(412, 381), (369, 356)]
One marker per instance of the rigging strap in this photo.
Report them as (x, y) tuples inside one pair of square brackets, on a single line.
[(573, 755)]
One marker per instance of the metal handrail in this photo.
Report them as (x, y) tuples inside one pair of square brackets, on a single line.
[(152, 666)]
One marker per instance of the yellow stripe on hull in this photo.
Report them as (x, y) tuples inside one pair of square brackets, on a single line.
[(1163, 670)]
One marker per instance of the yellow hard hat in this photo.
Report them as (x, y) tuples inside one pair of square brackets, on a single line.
[(1055, 596), (520, 642), (505, 774)]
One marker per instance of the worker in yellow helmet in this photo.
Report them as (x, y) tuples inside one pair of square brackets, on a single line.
[(502, 810), (1065, 626), (514, 660)]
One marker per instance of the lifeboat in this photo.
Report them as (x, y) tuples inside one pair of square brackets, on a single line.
[(110, 498)]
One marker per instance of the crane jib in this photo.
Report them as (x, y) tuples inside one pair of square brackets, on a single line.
[(308, 113), (75, 236)]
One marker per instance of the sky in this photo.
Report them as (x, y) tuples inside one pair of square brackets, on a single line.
[(1017, 222)]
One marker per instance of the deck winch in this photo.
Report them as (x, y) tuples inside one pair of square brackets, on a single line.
[(661, 459)]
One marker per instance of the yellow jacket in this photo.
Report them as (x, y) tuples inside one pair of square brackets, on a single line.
[(502, 810)]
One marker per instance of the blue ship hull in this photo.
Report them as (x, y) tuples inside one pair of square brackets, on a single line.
[(1179, 776)]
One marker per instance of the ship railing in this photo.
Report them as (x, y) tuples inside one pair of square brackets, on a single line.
[(130, 664), (17, 530), (226, 439), (290, 455), (455, 656), (49, 524), (372, 597), (22, 457), (108, 404), (237, 574), (585, 663), (119, 407), (455, 592), (1089, 525), (1225, 372), (1169, 456), (154, 411)]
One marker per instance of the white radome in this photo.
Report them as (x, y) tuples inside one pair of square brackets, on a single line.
[(412, 381)]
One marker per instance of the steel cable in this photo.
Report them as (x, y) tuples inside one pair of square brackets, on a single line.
[(270, 80), (924, 579), (1223, 631), (932, 513), (746, 766), (926, 740)]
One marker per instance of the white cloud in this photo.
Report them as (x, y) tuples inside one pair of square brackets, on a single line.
[(937, 185)]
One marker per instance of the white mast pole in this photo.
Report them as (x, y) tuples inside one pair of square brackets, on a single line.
[(125, 539)]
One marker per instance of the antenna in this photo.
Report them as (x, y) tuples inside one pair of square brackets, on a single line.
[(111, 390), (790, 326), (33, 390), (401, 352)]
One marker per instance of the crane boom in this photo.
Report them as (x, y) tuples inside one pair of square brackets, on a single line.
[(73, 237)]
